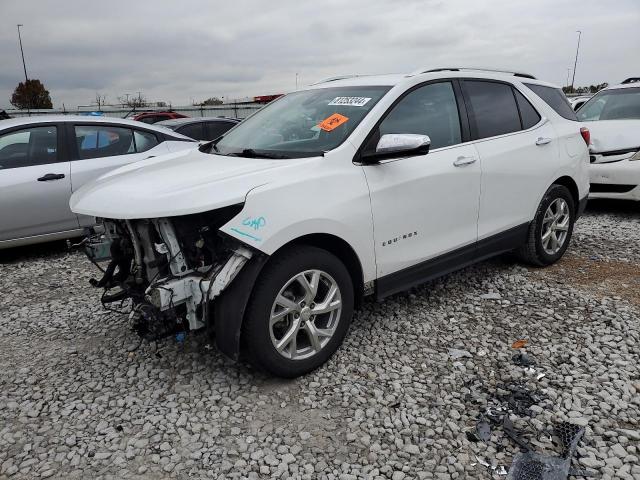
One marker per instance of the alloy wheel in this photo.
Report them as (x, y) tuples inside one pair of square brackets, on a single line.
[(555, 226), (305, 314)]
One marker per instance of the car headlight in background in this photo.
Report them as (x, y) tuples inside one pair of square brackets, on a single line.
[(636, 156)]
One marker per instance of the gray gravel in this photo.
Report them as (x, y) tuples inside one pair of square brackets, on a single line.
[(395, 402)]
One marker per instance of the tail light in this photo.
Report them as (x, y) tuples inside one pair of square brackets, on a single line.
[(586, 135)]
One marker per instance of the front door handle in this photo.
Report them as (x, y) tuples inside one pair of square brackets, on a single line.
[(51, 176), (462, 161), (543, 141)]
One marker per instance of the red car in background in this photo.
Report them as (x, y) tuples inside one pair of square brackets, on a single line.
[(153, 117)]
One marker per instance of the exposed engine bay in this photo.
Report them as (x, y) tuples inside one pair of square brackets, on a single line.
[(165, 272)]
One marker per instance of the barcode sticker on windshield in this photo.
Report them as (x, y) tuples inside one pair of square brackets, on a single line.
[(350, 101)]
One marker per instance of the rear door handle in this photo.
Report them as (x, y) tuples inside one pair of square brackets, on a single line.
[(51, 176), (543, 141), (462, 161)]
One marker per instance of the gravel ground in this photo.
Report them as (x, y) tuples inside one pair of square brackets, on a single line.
[(395, 402)]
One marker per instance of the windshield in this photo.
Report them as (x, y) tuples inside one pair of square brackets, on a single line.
[(619, 104), (301, 124)]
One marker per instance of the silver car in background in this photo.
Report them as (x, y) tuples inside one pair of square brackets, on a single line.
[(44, 160)]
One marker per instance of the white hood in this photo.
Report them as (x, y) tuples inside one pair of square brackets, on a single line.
[(611, 135), (176, 184)]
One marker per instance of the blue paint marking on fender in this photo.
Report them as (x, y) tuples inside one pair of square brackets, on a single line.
[(245, 234), (256, 223)]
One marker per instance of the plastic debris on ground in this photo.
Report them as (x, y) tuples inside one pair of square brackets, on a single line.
[(505, 408), (529, 465)]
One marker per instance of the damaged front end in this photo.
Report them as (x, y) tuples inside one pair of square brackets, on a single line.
[(169, 269)]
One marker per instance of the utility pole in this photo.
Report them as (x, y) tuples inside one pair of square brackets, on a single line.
[(576, 62), (568, 73), (24, 65), (296, 81)]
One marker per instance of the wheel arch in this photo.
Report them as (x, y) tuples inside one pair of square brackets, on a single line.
[(341, 249), (229, 308), (572, 186)]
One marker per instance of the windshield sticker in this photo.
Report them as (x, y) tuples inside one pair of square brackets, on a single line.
[(350, 101), (333, 121)]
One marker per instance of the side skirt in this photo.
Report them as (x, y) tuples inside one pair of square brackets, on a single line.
[(452, 261)]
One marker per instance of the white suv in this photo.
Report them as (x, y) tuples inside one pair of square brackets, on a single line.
[(272, 234), (613, 116)]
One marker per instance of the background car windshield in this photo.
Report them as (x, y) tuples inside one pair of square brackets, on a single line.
[(620, 104), (303, 123)]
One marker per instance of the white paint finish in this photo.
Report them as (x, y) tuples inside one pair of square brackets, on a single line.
[(624, 172), (318, 195), (423, 206), (608, 135), (514, 172), (83, 171), (175, 184), (611, 135), (287, 199)]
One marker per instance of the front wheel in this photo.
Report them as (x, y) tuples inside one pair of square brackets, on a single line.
[(551, 229), (299, 312)]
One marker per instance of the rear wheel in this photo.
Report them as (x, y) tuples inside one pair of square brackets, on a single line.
[(299, 312), (551, 229)]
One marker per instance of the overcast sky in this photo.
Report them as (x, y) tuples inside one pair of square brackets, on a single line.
[(181, 50)]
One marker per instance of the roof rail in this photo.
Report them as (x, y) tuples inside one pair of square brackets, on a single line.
[(334, 79), (632, 80), (457, 69)]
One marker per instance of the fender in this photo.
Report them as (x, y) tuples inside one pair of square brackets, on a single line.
[(277, 213), (229, 307)]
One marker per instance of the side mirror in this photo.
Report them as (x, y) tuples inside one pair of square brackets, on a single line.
[(394, 145)]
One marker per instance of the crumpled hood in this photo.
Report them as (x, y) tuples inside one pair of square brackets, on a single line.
[(612, 135), (176, 184)]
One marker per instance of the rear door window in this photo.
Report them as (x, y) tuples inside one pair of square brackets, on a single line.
[(528, 114), (493, 108), (555, 99), (28, 147), (95, 141)]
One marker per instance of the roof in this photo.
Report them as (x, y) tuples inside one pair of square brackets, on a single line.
[(18, 121), (426, 74), (622, 85), (174, 122)]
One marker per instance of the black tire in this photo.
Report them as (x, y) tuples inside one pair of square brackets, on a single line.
[(532, 251), (256, 334)]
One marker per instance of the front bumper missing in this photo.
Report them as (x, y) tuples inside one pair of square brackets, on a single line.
[(196, 290), (146, 264)]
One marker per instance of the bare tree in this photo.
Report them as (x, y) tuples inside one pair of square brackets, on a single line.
[(101, 100), (133, 102)]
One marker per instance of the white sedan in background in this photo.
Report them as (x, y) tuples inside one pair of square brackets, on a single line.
[(43, 160), (613, 118)]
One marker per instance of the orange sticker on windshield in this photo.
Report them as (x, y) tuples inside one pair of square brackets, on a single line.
[(333, 121)]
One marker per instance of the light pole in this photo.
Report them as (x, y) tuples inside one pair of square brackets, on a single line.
[(576, 62), (568, 73), (24, 65), (296, 81)]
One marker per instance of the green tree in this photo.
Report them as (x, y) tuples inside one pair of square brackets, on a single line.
[(31, 94)]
